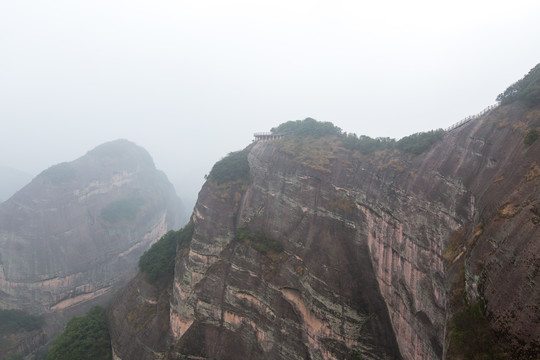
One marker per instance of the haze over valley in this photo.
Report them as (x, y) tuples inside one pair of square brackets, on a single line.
[(283, 181), (191, 81)]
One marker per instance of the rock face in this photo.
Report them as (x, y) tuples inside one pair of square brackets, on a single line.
[(74, 235), (364, 271)]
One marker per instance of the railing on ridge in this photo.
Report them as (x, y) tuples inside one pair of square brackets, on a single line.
[(264, 136), (472, 117)]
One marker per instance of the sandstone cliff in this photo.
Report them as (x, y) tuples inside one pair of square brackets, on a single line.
[(371, 252), (73, 236)]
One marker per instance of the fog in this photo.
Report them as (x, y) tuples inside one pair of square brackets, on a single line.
[(191, 81)]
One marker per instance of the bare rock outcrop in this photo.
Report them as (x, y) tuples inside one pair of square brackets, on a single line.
[(368, 261)]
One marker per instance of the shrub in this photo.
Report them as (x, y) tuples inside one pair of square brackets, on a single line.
[(365, 144), (85, 338), (258, 241), (419, 142), (307, 127), (125, 209), (527, 89), (471, 335), (158, 262), (530, 137), (413, 144), (233, 167), (15, 320)]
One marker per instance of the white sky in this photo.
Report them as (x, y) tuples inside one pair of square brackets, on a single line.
[(192, 80)]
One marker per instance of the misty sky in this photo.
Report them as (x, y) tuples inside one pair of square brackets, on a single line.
[(191, 81)]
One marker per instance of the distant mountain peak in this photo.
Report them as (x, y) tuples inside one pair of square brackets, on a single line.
[(122, 148)]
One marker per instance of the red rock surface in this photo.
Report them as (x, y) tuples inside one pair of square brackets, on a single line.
[(364, 237)]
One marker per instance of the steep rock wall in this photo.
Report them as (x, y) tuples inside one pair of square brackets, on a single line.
[(364, 269), (500, 257)]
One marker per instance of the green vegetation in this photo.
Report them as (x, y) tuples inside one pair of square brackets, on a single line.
[(365, 144), (314, 143), (125, 209), (60, 173), (158, 262), (258, 241), (12, 321), (471, 336), (419, 142), (527, 89), (530, 137), (413, 144), (233, 167), (310, 128), (307, 127), (85, 338)]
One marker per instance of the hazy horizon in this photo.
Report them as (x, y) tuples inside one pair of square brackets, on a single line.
[(192, 81)]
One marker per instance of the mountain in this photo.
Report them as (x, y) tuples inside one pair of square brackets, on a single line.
[(73, 236), (12, 180), (326, 246)]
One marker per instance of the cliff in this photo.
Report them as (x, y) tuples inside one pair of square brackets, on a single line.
[(329, 253), (73, 236)]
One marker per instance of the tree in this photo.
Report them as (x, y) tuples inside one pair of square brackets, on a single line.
[(85, 338), (12, 321), (307, 127), (419, 142), (530, 137), (158, 262), (527, 89), (233, 167)]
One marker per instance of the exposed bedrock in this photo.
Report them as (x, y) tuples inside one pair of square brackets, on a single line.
[(364, 271)]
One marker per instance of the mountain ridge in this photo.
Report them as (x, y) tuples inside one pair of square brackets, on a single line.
[(73, 236), (334, 209)]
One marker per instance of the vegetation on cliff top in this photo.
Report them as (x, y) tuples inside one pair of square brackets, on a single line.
[(157, 263), (85, 338), (419, 142), (527, 89), (307, 127), (233, 167), (413, 144)]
